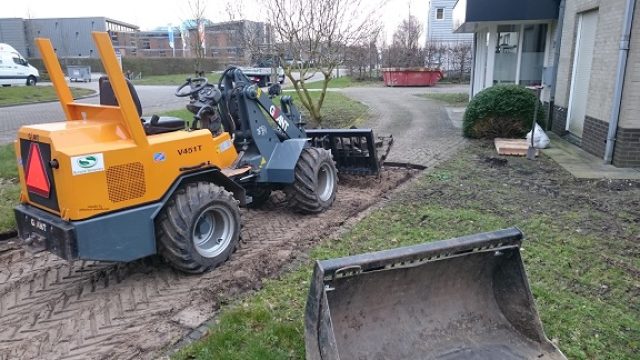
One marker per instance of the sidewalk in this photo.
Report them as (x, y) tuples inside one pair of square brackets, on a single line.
[(584, 165)]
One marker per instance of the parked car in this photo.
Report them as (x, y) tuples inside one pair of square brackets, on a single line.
[(297, 64), (15, 69), (260, 72)]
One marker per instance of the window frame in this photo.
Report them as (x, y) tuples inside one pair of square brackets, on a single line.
[(18, 60), (443, 14)]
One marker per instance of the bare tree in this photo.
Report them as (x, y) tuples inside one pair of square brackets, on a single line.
[(442, 54), (432, 54), (460, 56), (405, 47), (362, 59), (314, 34), (255, 38), (246, 34), (357, 60), (197, 13)]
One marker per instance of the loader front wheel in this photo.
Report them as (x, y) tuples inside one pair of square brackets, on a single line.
[(199, 228), (316, 182)]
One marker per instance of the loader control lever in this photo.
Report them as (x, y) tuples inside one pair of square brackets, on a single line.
[(195, 85)]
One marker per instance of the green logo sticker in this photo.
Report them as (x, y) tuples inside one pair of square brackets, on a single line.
[(87, 162)]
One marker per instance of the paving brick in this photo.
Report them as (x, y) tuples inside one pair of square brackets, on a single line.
[(422, 131)]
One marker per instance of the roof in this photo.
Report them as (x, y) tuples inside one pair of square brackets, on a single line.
[(118, 22), (122, 23)]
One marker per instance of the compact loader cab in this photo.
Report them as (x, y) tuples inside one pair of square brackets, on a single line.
[(152, 124)]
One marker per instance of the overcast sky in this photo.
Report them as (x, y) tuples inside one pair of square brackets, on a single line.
[(149, 15)]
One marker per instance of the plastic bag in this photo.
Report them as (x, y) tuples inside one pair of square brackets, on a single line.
[(540, 138)]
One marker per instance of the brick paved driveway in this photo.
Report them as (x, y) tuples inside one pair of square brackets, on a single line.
[(421, 129)]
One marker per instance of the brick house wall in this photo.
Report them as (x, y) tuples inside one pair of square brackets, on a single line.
[(602, 81)]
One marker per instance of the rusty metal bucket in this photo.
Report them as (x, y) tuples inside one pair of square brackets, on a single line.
[(464, 298)]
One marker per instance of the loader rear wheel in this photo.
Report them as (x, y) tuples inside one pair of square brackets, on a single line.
[(199, 228), (316, 182)]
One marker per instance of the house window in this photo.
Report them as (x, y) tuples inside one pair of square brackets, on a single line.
[(534, 41), (506, 59), (440, 14)]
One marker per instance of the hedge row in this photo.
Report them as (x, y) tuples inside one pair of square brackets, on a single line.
[(146, 66)]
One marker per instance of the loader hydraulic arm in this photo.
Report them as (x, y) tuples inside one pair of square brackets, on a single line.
[(276, 148), (288, 122)]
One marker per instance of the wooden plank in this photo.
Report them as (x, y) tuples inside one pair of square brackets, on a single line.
[(512, 147), (235, 172)]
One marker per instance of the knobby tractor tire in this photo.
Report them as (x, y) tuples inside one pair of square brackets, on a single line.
[(316, 182), (199, 228)]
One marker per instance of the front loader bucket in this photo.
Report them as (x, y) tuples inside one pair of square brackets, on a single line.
[(464, 298), (355, 151)]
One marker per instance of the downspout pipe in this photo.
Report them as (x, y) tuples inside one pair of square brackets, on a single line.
[(623, 57), (556, 62), (474, 50)]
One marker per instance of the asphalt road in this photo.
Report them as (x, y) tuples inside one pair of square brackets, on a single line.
[(154, 99)]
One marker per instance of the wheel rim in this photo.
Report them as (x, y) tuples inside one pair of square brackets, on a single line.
[(213, 231), (326, 182)]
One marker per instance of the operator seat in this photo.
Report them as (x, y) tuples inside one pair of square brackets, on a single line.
[(152, 124)]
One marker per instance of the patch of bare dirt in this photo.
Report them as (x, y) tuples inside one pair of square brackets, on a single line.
[(51, 309)]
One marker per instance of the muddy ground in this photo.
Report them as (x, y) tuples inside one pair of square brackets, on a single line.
[(50, 308)]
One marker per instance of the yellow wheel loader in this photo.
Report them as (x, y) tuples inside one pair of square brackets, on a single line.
[(109, 184)]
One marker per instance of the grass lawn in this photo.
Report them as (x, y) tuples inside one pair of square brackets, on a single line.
[(582, 255), (179, 113), (175, 79), (338, 110), (9, 187), (337, 83), (343, 82), (454, 99), (15, 95)]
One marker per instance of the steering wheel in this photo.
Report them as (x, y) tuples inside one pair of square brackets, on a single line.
[(195, 85)]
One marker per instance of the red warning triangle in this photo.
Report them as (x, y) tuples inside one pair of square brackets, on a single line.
[(37, 180)]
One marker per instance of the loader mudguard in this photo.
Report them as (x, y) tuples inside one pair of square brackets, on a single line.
[(463, 298), (213, 175), (280, 167)]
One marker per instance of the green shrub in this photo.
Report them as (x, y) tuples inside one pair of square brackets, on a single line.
[(501, 111)]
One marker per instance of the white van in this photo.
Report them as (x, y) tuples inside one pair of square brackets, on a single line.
[(14, 69)]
